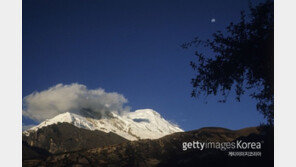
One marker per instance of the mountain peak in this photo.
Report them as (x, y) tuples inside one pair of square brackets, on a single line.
[(140, 124), (146, 112)]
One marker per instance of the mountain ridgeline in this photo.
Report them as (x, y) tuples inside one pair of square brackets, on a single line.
[(64, 137), (140, 124), (64, 143)]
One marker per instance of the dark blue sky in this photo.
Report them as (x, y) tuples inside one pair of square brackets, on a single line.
[(133, 48)]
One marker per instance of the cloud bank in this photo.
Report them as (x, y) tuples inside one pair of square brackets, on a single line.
[(74, 98)]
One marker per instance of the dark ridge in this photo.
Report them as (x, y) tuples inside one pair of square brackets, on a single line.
[(65, 137), (167, 151)]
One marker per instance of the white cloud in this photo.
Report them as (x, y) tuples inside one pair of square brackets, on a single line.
[(74, 98)]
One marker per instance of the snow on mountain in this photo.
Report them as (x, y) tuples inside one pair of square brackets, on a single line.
[(140, 124)]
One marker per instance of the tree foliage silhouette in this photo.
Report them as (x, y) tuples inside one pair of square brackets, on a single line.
[(242, 59)]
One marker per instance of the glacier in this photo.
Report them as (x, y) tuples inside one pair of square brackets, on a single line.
[(140, 124)]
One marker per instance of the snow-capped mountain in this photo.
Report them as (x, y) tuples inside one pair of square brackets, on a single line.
[(140, 124)]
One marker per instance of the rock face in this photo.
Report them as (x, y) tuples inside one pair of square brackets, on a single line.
[(65, 137), (30, 152), (140, 124), (167, 151)]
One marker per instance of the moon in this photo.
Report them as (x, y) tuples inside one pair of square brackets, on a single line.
[(213, 20)]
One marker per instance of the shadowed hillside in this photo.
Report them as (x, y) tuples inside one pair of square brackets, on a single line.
[(64, 137), (167, 151)]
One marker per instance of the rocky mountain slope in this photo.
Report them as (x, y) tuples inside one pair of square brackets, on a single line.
[(31, 152), (65, 137), (167, 151)]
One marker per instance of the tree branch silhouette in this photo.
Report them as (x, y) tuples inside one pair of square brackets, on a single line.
[(243, 59)]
